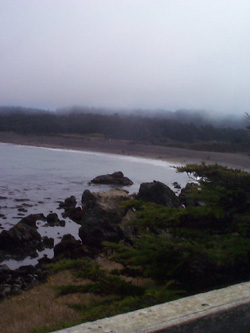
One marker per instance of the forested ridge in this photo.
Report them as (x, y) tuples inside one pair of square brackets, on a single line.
[(140, 128)]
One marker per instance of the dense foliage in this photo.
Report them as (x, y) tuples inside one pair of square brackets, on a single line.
[(163, 131), (203, 246)]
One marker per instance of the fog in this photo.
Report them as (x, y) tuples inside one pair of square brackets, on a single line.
[(149, 54)]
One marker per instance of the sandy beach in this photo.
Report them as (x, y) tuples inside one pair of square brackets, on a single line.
[(129, 148)]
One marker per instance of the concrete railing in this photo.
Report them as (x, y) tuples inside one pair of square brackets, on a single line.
[(225, 310)]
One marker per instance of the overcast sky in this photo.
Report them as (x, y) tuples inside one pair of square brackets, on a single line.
[(167, 54)]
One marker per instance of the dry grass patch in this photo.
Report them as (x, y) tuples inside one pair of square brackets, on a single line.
[(40, 309), (39, 306), (107, 264)]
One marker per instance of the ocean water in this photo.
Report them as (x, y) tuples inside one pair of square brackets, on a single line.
[(37, 178)]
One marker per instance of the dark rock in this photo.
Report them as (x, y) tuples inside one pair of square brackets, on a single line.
[(48, 242), (75, 214), (25, 270), (53, 220), (158, 193), (177, 185), (68, 203), (21, 209), (69, 247), (22, 200), (44, 260), (32, 219), (26, 205), (116, 178), (97, 228), (14, 281), (184, 196), (88, 199), (102, 213), (4, 273), (22, 239), (70, 209)]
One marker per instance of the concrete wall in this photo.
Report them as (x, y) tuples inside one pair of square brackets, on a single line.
[(225, 310)]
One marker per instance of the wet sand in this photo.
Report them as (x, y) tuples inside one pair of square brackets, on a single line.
[(129, 148)]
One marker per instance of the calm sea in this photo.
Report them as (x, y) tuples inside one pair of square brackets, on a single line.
[(37, 178)]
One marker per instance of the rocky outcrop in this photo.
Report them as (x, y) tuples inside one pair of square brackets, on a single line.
[(186, 197), (53, 220), (48, 242), (70, 209), (69, 247), (75, 214), (158, 193), (103, 213), (23, 239), (116, 178), (88, 199), (69, 202), (176, 185), (109, 202), (97, 228), (32, 219)]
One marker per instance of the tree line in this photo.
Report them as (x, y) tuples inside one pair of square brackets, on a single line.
[(124, 127)]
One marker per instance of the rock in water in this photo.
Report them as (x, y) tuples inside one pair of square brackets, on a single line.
[(68, 202), (22, 239), (53, 220), (48, 242), (70, 209), (116, 178), (158, 193)]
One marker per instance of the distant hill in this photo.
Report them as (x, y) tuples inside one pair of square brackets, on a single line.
[(183, 128)]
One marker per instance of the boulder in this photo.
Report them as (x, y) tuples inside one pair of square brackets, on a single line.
[(23, 239), (44, 261), (48, 242), (70, 209), (109, 202), (116, 178), (103, 213), (176, 185), (75, 214), (97, 228), (32, 219), (69, 247), (158, 193), (69, 202), (88, 199), (53, 220)]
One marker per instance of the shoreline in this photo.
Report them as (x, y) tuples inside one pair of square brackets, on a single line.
[(128, 148)]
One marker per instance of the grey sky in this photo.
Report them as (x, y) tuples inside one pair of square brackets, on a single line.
[(126, 53)]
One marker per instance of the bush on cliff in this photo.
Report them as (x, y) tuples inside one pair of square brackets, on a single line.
[(200, 247)]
